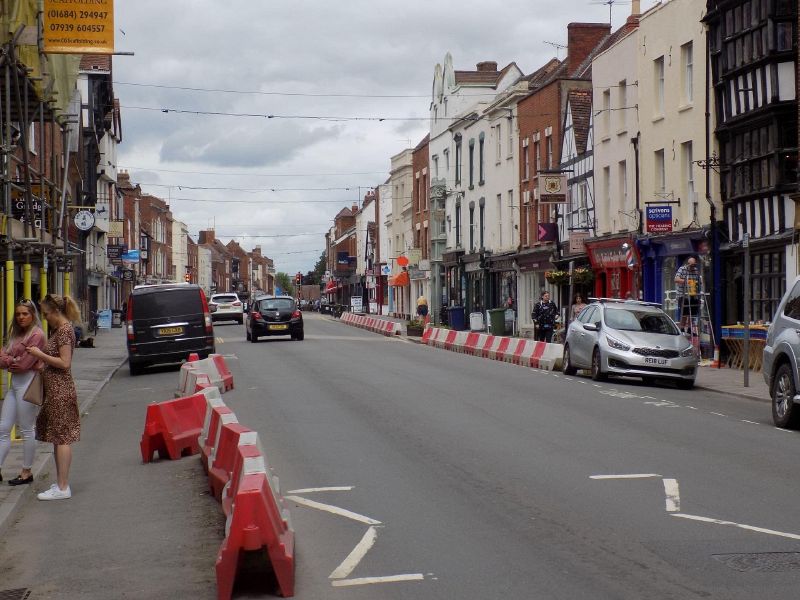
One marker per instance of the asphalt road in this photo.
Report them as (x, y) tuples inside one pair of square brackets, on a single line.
[(463, 478)]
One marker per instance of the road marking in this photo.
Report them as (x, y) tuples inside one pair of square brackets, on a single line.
[(752, 422), (631, 476), (338, 488), (358, 553), (792, 536), (342, 512), (673, 500), (718, 414), (663, 403), (692, 407), (219, 340), (388, 579), (784, 430)]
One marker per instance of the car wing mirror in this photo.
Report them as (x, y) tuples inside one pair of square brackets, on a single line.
[(591, 326)]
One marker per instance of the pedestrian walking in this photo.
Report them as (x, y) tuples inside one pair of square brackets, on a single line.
[(59, 422), (545, 315), (422, 308), (25, 331)]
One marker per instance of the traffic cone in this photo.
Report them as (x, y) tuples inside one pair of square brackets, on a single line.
[(715, 363)]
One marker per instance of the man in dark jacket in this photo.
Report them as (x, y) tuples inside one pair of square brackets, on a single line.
[(545, 315)]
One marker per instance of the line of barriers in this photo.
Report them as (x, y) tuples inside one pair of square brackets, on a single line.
[(375, 324), (518, 351), (239, 476)]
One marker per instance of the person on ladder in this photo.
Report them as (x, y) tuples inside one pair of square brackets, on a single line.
[(688, 281)]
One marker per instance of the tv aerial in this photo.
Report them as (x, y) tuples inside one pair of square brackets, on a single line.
[(611, 4)]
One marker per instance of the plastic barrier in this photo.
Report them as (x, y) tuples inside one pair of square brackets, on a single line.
[(191, 381), (172, 428), (258, 522), (374, 324), (209, 438), (232, 437)]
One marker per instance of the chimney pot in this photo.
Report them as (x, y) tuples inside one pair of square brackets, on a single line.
[(487, 66)]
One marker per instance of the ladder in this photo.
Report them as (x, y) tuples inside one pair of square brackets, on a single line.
[(695, 318)]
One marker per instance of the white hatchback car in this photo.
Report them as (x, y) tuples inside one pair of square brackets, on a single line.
[(228, 308)]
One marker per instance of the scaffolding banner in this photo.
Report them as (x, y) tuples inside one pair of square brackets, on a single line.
[(79, 26)]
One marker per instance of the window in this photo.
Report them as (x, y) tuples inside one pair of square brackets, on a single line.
[(435, 114), (498, 142), (482, 220), (606, 114), (622, 114), (510, 139), (435, 161), (687, 60), (481, 140), (471, 163), (458, 160), (622, 174), (499, 220), (471, 226), (537, 150), (607, 189), (658, 79), (511, 212), (792, 307), (767, 284), (526, 172), (444, 104), (446, 163), (458, 224), (549, 140), (688, 169), (660, 179)]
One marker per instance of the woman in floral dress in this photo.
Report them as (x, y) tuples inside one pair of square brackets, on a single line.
[(59, 422)]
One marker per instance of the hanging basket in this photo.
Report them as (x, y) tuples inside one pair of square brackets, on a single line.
[(582, 276), (557, 277)]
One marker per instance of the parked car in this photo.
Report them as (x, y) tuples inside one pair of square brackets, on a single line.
[(166, 323), (612, 337), (227, 307), (275, 315), (780, 359)]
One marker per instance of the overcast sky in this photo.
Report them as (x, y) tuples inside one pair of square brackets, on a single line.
[(290, 176)]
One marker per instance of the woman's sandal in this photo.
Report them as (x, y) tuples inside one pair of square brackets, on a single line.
[(19, 480)]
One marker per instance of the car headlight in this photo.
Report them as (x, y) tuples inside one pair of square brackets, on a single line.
[(686, 352), (616, 344)]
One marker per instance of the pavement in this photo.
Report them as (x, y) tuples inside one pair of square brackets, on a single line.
[(92, 368)]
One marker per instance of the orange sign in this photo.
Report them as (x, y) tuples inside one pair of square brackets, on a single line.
[(79, 26), (402, 261)]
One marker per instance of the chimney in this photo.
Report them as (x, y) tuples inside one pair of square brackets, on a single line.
[(582, 38), (636, 7), (206, 237), (488, 66), (354, 209)]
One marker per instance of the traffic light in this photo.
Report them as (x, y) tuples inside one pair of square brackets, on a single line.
[(298, 278)]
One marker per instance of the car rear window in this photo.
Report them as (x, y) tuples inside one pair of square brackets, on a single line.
[(277, 304), (167, 303), (224, 298)]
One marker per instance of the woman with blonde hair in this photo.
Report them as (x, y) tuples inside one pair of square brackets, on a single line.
[(25, 331), (59, 422)]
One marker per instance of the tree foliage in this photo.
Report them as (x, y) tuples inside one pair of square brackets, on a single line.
[(284, 281)]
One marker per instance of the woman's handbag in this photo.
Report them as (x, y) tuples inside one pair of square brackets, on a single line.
[(35, 392)]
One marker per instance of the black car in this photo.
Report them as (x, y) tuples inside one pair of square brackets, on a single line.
[(276, 315), (166, 323)]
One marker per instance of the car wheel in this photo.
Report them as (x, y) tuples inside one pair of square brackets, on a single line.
[(597, 368), (299, 337), (784, 412), (568, 368), (240, 320), (135, 369), (253, 337), (247, 335), (685, 384)]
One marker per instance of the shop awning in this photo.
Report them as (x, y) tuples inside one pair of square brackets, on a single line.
[(399, 280)]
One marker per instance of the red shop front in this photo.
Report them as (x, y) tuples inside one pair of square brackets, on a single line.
[(613, 278)]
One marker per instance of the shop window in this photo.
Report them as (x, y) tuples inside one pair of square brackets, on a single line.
[(767, 284)]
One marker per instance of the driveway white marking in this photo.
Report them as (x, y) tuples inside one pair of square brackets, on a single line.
[(358, 553), (751, 422), (342, 512), (673, 500), (338, 488), (388, 579), (792, 536), (631, 476), (718, 414)]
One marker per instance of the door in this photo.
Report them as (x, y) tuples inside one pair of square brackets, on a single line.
[(582, 341)]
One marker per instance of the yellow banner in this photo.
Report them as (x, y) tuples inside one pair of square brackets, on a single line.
[(79, 26)]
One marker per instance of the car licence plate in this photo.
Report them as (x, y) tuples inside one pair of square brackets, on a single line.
[(170, 331), (661, 362), (224, 305), (278, 327)]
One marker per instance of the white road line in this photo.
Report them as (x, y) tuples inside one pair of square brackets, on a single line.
[(673, 496), (338, 488), (692, 407), (751, 422), (220, 340), (718, 414), (358, 553), (631, 476), (784, 430), (792, 536), (387, 579), (333, 509)]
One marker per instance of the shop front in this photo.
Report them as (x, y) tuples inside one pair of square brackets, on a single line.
[(531, 282), (502, 281), (662, 256), (616, 265), (474, 284), (454, 286), (400, 290)]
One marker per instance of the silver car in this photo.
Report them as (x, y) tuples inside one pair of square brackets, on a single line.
[(616, 337), (780, 359), (226, 307)]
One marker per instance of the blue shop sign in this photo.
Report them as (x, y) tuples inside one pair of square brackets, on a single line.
[(659, 219)]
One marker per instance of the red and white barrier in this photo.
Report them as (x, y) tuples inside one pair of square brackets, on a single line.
[(258, 521), (197, 374), (172, 428), (518, 351), (374, 324), (232, 437)]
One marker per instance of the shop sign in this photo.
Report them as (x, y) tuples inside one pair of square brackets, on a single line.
[(605, 258), (115, 251), (577, 242), (552, 189), (425, 265), (343, 259), (417, 274), (472, 267), (128, 274), (65, 266), (18, 206), (502, 265), (659, 219), (548, 232), (78, 26), (115, 229), (414, 256), (356, 304)]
